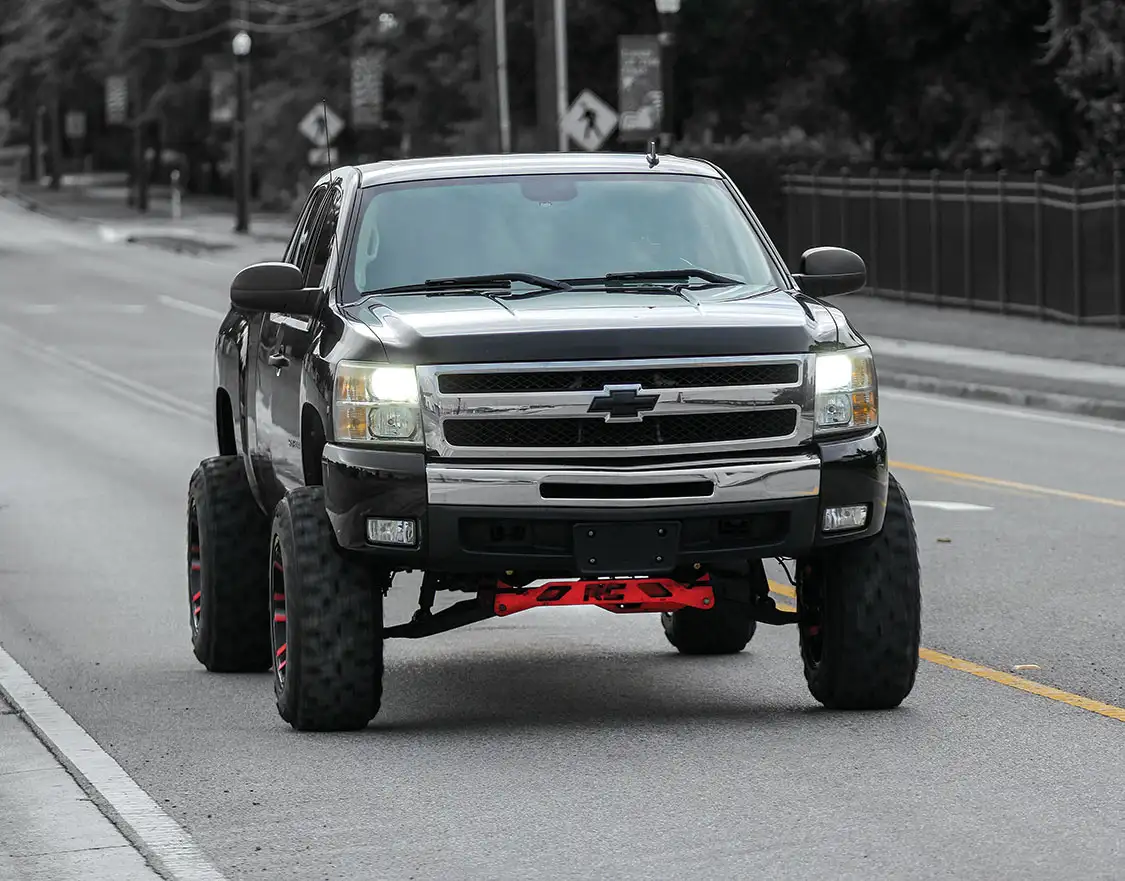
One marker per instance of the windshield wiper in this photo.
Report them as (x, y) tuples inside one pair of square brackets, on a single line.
[(473, 283), (685, 274)]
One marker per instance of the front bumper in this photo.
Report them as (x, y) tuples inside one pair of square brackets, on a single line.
[(553, 520)]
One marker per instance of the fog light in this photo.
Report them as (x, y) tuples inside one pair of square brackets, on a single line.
[(839, 519), (403, 533)]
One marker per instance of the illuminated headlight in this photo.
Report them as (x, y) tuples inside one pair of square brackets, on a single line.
[(376, 404), (846, 392)]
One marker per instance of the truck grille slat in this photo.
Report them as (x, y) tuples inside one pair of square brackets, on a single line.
[(697, 428), (596, 380)]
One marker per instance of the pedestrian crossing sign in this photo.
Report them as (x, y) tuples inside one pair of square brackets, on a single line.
[(589, 122)]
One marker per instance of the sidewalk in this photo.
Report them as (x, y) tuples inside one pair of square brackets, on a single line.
[(1005, 359), (206, 223), (49, 827)]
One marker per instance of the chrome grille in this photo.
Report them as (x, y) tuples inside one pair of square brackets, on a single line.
[(595, 380), (654, 431), (557, 410)]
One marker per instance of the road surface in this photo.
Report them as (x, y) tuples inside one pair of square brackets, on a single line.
[(567, 744)]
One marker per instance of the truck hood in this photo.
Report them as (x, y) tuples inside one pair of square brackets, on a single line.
[(592, 325)]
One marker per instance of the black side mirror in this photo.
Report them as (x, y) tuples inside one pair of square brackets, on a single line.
[(274, 287), (828, 272)]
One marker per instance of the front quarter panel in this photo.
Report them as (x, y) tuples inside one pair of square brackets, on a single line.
[(339, 339)]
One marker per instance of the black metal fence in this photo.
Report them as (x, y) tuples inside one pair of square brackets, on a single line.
[(1025, 246)]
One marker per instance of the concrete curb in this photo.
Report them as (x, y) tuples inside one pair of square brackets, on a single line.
[(189, 240), (997, 394)]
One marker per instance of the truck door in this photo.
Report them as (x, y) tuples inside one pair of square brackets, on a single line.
[(297, 336), (272, 364)]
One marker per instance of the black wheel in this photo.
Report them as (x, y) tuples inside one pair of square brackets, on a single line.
[(327, 631), (861, 612), (228, 542), (728, 627)]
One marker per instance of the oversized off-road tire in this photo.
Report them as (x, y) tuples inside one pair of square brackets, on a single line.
[(861, 611), (327, 633), (727, 627), (228, 548)]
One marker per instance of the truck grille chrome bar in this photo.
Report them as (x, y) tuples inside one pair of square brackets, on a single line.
[(562, 410)]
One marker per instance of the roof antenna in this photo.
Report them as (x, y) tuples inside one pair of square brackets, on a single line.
[(653, 159), (328, 159), (327, 140)]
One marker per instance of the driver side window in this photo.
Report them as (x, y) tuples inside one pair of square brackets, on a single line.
[(303, 233)]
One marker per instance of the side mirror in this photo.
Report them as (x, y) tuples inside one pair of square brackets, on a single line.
[(828, 272), (273, 287)]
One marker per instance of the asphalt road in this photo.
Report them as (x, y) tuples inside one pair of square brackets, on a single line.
[(568, 744)]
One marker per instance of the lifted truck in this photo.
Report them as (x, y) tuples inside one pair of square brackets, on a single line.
[(543, 380)]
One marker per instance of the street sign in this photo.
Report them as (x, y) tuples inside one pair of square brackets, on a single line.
[(640, 92), (75, 124), (589, 121), (367, 89), (319, 156), (312, 126), (116, 100)]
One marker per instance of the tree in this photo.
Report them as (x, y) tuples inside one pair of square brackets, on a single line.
[(1087, 38), (50, 49)]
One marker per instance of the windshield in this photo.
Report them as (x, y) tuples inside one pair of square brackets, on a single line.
[(557, 226)]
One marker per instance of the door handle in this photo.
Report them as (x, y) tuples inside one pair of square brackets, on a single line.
[(276, 359)]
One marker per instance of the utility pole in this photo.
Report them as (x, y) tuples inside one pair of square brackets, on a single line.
[(552, 91), (489, 70), (501, 15)]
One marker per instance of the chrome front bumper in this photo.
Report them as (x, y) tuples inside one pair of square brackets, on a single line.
[(763, 479)]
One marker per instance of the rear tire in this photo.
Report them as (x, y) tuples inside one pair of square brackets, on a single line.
[(328, 622), (727, 627), (861, 610), (228, 544)]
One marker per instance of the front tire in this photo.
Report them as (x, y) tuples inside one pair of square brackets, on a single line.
[(861, 609), (728, 627), (327, 633), (228, 542)]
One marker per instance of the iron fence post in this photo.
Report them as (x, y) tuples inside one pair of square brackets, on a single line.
[(816, 204), (935, 239), (874, 175), (790, 215), (1076, 248), (1001, 243), (1040, 306), (1118, 292), (844, 184), (967, 209), (903, 242)]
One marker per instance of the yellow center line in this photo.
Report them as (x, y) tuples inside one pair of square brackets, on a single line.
[(1007, 484), (992, 675)]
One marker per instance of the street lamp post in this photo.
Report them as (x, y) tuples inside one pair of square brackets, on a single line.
[(669, 11), (240, 46)]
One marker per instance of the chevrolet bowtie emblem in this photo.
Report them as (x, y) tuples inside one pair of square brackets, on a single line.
[(623, 403)]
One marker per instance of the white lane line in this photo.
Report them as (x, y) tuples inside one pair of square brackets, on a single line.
[(75, 308), (191, 308), (156, 835), (1009, 411), (949, 506), (135, 391)]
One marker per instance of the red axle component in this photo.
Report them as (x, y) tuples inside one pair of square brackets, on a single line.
[(612, 594)]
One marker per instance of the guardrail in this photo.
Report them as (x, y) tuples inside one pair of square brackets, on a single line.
[(1028, 246)]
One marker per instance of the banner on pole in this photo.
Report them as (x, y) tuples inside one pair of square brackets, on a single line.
[(640, 90), (116, 100), (368, 69), (224, 100)]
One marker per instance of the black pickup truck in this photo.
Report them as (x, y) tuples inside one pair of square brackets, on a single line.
[(544, 380)]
